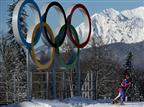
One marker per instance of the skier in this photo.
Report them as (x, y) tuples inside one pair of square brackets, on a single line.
[(124, 84)]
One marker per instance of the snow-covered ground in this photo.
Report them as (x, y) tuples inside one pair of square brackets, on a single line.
[(129, 104), (60, 104), (74, 102)]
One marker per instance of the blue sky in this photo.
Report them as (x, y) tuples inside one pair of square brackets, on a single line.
[(93, 6)]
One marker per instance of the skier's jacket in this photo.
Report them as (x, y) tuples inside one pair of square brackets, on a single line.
[(124, 84)]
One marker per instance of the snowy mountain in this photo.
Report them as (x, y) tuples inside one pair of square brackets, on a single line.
[(120, 32), (111, 26)]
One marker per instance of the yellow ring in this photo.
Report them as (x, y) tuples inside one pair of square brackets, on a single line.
[(42, 66)]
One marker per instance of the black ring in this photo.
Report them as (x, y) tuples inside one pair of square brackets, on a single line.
[(62, 37)]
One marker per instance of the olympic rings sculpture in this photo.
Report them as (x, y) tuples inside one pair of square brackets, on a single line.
[(41, 26)]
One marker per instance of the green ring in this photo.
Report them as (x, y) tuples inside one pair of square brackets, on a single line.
[(66, 65)]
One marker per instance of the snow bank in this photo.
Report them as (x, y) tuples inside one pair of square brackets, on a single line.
[(40, 103), (79, 101), (130, 104), (68, 102), (74, 102), (50, 103)]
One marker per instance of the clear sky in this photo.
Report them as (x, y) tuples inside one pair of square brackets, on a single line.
[(93, 6)]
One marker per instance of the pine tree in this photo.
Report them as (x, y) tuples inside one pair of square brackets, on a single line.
[(133, 92), (14, 59), (128, 65), (2, 72)]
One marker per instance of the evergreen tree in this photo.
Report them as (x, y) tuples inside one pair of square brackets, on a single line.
[(133, 92), (14, 59), (128, 65)]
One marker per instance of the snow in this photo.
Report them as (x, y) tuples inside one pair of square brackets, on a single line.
[(132, 104), (40, 103), (74, 102), (79, 101), (137, 12), (114, 26)]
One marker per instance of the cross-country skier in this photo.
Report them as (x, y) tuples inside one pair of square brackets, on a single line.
[(124, 84)]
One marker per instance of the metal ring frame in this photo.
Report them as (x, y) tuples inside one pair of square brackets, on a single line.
[(41, 26)]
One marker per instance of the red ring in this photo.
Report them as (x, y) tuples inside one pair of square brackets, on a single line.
[(78, 45)]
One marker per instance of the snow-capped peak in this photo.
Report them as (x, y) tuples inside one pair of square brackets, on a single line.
[(137, 12), (110, 13), (111, 26)]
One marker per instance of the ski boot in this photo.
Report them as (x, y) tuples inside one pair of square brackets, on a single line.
[(114, 102)]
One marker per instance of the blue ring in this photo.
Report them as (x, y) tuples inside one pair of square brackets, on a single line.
[(34, 5)]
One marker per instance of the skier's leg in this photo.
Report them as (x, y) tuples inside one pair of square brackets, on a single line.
[(122, 96), (115, 99)]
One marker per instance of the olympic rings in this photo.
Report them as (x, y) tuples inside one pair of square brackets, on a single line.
[(42, 66), (62, 15), (88, 23), (72, 60), (41, 26), (16, 25)]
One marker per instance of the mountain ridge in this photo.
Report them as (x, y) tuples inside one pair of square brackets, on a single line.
[(112, 26)]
